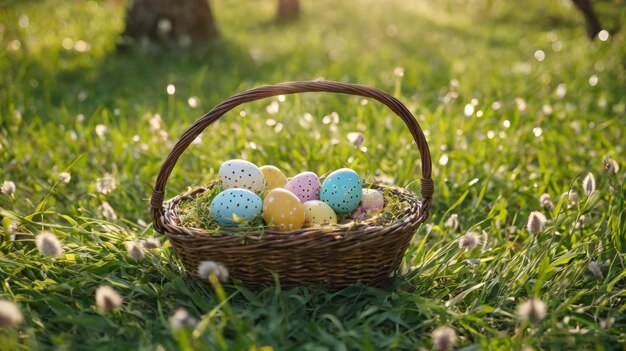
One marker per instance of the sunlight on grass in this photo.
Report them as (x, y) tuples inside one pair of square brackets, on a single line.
[(518, 108)]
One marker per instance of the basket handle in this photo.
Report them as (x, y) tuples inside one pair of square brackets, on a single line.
[(158, 192)]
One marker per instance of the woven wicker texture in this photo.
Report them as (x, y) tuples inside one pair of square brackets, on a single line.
[(335, 257)]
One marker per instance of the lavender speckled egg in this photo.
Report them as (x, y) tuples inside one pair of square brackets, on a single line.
[(242, 174), (239, 202), (306, 186), (342, 190)]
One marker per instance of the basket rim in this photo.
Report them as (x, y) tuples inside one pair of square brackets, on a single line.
[(415, 213)]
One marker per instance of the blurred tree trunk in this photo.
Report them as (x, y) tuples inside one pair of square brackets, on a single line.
[(169, 22), (288, 9), (592, 22)]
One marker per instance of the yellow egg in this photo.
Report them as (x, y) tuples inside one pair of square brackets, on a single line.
[(318, 212), (283, 210), (274, 178)]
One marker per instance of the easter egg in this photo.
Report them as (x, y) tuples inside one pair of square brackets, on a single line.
[(317, 212), (306, 186), (232, 203), (283, 210), (242, 174), (372, 200), (274, 178), (341, 190)]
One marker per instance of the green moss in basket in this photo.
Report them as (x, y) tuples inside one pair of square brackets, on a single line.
[(196, 212)]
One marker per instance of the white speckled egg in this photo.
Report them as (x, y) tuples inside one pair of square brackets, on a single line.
[(306, 186), (283, 210), (317, 212), (239, 202), (242, 174), (274, 177), (341, 190)]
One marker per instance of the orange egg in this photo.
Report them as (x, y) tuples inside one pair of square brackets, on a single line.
[(283, 210), (274, 178)]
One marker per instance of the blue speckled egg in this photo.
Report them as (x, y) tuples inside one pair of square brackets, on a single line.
[(240, 202), (342, 190)]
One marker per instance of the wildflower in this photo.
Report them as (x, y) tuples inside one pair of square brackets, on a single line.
[(533, 310), (452, 222), (546, 201), (64, 177), (150, 243), (536, 222), (181, 319), (596, 269), (469, 241), (10, 314), (572, 196), (356, 138), (108, 212), (49, 245), (444, 338), (164, 26), (607, 323), (581, 222), (155, 123), (8, 187), (108, 299), (135, 250), (398, 71), (611, 166), (101, 131), (207, 268), (589, 184), (105, 184)]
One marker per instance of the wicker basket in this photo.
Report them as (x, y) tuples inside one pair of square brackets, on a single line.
[(335, 258)]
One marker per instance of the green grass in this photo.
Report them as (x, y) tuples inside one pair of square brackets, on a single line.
[(490, 170)]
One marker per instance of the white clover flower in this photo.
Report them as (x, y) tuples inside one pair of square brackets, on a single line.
[(207, 267), (589, 184), (444, 338), (469, 241), (10, 314), (106, 184), (596, 269), (64, 177), (108, 299), (101, 131), (49, 245), (135, 250), (611, 166), (181, 319), (150, 243), (452, 222), (532, 310), (536, 222), (8, 187), (546, 201)]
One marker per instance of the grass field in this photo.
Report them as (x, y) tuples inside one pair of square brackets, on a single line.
[(515, 103)]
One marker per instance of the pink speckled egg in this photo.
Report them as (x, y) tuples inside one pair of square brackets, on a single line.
[(372, 201), (306, 186)]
